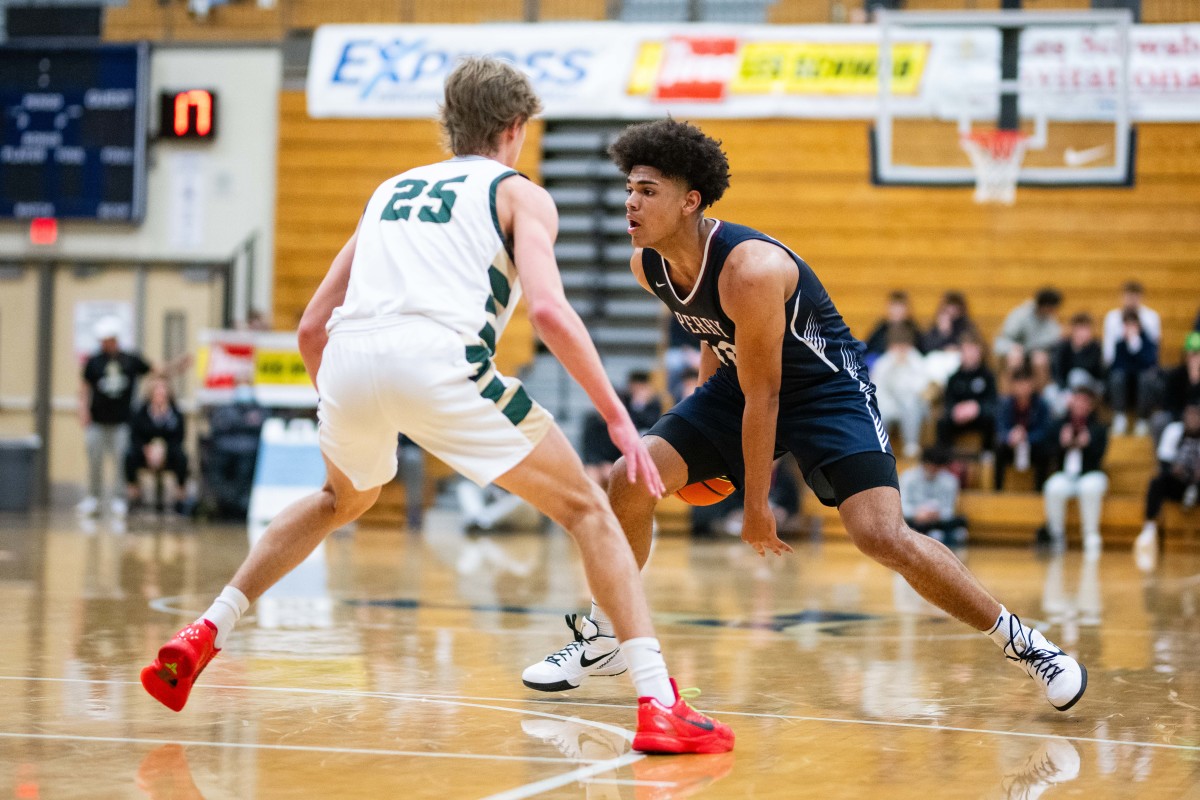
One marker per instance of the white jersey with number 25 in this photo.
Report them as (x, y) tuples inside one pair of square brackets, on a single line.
[(430, 245)]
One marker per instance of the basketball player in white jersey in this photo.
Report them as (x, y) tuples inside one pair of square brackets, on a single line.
[(400, 337)]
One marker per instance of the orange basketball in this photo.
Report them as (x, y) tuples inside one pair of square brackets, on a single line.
[(705, 493)]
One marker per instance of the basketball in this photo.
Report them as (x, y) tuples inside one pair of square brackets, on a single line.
[(705, 493)]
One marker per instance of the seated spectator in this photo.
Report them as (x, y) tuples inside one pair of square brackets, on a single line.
[(682, 355), (689, 383), (950, 322), (929, 497), (1077, 360), (1133, 377), (901, 383), (970, 397), (1132, 293), (156, 443), (644, 406), (899, 312), (1023, 427), (1081, 442), (1181, 387), (1178, 479), (1030, 332), (230, 452)]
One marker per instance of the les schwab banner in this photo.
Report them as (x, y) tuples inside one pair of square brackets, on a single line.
[(590, 70)]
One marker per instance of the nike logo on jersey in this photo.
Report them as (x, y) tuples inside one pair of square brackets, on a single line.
[(586, 662), (660, 285)]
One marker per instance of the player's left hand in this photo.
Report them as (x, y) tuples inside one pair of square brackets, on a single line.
[(758, 531)]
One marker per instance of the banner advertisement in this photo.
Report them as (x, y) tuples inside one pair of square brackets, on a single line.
[(269, 363), (627, 71)]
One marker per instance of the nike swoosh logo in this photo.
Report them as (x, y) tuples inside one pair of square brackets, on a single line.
[(660, 285), (704, 726), (584, 661)]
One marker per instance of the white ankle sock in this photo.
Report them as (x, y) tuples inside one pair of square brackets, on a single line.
[(603, 623), (224, 613), (1149, 529), (1000, 633), (648, 669)]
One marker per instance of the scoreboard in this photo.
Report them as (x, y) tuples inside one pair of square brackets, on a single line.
[(73, 127)]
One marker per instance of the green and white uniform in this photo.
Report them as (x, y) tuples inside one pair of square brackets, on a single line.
[(410, 349)]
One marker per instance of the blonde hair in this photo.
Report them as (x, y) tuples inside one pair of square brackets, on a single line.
[(484, 96)]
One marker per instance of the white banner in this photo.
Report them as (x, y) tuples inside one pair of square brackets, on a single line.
[(595, 70)]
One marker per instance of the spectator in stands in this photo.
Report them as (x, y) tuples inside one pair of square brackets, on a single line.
[(1023, 428), (689, 383), (929, 497), (1178, 479), (106, 390), (970, 397), (1181, 387), (644, 406), (682, 355), (899, 312), (1076, 361), (1081, 442), (901, 383), (950, 322), (1030, 332), (230, 452), (1132, 293), (156, 443), (1133, 376)]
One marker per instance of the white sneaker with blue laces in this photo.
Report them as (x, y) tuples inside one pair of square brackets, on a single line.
[(589, 654), (1061, 677)]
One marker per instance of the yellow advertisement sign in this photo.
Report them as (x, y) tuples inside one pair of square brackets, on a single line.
[(824, 68), (279, 368)]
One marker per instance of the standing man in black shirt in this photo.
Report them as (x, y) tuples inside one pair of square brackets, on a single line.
[(106, 391)]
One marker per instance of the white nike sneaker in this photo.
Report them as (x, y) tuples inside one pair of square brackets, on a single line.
[(589, 654), (1062, 677)]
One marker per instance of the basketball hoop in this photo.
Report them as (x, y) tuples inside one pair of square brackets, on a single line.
[(996, 156)]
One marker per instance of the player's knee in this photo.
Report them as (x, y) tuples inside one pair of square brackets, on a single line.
[(585, 509), (350, 504), (624, 493), (889, 545)]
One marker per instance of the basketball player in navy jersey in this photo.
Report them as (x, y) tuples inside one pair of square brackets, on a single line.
[(780, 372)]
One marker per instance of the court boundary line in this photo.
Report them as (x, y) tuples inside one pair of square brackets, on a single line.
[(352, 751), (457, 700)]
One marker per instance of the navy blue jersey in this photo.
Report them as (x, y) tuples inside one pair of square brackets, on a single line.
[(817, 345)]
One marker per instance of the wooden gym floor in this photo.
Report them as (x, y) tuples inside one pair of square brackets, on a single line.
[(391, 668)]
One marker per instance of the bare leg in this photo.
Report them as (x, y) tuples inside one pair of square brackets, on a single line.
[(298, 529), (634, 505), (876, 526), (552, 479)]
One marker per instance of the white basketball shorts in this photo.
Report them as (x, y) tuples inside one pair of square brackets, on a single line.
[(421, 379)]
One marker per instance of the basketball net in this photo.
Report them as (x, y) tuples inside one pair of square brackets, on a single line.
[(996, 156)]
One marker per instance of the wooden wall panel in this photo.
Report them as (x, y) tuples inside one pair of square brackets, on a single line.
[(236, 22)]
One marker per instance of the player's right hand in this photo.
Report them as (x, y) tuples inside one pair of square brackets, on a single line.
[(639, 467)]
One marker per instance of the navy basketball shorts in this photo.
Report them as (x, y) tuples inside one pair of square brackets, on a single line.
[(833, 429)]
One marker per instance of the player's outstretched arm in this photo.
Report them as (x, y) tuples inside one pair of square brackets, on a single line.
[(528, 212), (329, 295), (753, 293)]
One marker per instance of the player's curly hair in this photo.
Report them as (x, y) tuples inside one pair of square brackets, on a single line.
[(677, 150)]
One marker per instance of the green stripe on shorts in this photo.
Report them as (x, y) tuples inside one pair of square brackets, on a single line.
[(494, 390), (518, 406)]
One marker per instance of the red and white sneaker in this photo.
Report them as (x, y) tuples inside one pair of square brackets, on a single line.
[(180, 661), (678, 729)]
